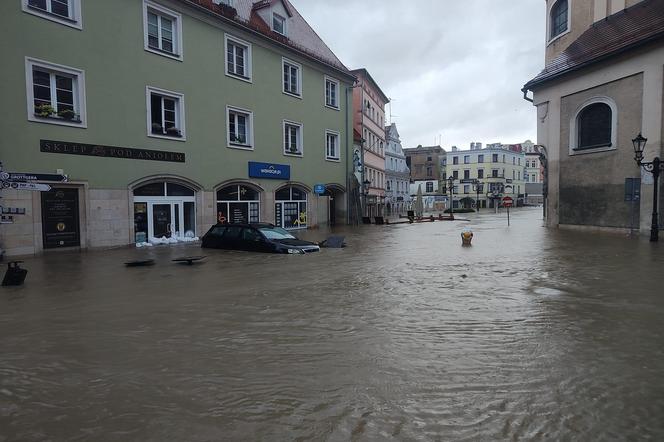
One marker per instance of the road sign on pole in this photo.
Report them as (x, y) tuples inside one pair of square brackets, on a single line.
[(20, 176), (30, 186), (507, 202)]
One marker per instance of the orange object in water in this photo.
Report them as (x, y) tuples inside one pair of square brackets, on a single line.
[(466, 237)]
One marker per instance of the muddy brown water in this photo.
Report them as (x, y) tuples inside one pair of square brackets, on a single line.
[(531, 333)]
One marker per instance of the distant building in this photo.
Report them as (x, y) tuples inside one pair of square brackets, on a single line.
[(533, 174), (601, 86), (369, 119), (397, 174), (495, 168), (425, 162)]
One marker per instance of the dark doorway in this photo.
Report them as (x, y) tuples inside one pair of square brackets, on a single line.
[(60, 219)]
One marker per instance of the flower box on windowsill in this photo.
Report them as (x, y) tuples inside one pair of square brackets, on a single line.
[(173, 132), (54, 116), (170, 132)]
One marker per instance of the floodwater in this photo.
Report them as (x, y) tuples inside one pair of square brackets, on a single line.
[(531, 334)]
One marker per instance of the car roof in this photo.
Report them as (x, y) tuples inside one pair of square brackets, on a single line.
[(254, 225)]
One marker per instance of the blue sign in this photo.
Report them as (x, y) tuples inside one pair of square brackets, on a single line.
[(319, 189), (269, 171)]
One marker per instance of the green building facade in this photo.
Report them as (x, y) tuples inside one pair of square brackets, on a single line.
[(168, 116)]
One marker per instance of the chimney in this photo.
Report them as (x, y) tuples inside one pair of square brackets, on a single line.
[(454, 148)]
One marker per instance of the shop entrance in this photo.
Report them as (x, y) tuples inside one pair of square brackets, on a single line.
[(60, 219), (290, 208), (164, 210)]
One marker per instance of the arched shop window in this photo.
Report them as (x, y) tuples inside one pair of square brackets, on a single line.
[(238, 204), (290, 208), (164, 212)]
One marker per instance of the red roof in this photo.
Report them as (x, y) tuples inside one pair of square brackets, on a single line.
[(301, 37), (633, 27)]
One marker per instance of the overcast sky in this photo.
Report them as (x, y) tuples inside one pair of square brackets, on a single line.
[(452, 68)]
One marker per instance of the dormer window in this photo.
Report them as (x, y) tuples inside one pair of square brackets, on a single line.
[(559, 19), (278, 24)]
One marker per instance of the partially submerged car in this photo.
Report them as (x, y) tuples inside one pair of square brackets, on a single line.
[(258, 237)]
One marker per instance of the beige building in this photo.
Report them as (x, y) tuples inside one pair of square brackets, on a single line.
[(498, 170), (601, 86)]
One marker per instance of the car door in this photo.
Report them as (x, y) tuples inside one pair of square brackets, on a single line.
[(214, 237), (232, 238), (253, 240)]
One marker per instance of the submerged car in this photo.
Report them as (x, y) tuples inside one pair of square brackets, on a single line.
[(256, 238)]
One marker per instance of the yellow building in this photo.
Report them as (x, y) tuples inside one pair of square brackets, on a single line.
[(487, 174)]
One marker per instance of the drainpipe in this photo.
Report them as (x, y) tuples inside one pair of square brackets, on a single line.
[(348, 180), (525, 95)]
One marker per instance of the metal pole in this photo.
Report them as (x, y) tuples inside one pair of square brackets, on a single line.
[(508, 216), (654, 227)]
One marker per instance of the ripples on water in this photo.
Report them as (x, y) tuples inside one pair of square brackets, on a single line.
[(404, 335)]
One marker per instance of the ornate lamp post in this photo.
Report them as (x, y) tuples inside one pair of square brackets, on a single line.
[(479, 187), (450, 187), (655, 167)]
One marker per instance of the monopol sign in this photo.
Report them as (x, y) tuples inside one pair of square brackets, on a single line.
[(28, 186)]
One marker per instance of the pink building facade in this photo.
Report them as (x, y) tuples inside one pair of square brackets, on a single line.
[(369, 120)]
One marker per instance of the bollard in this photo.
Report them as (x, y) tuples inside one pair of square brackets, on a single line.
[(15, 275), (466, 237)]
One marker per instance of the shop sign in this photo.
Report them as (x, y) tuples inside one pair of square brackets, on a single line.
[(319, 189), (16, 176), (31, 186), (269, 171), (96, 150)]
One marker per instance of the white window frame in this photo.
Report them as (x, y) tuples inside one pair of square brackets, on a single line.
[(78, 86), (573, 127), (250, 128), (300, 138), (75, 19), (550, 39), (338, 147), (179, 112), (177, 25), (338, 85), (284, 20), (284, 61), (248, 69)]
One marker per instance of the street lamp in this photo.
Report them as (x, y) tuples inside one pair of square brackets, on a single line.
[(655, 167), (365, 195), (479, 187), (450, 186)]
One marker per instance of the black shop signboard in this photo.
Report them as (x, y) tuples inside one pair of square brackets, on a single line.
[(60, 224)]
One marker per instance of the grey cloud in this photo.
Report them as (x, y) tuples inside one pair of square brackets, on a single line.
[(452, 68)]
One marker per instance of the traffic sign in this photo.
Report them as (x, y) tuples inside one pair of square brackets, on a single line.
[(319, 189), (19, 176), (30, 186), (507, 201)]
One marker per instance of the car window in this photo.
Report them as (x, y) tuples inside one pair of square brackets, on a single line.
[(251, 235), (217, 230), (232, 232), (276, 233)]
